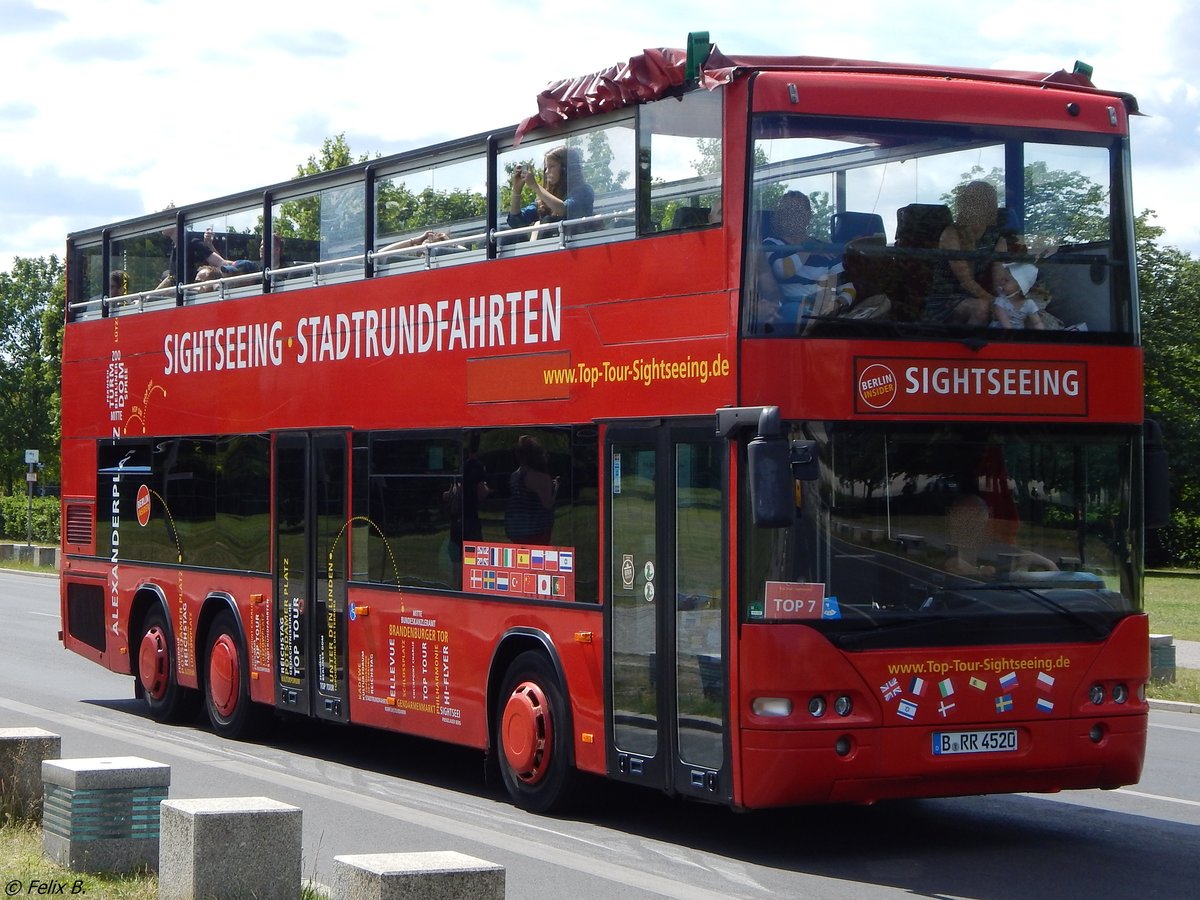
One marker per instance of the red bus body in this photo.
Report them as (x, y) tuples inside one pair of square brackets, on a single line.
[(636, 344)]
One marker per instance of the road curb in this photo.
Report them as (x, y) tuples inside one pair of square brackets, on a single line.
[(1175, 706)]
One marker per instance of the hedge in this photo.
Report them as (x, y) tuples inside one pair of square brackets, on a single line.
[(14, 519)]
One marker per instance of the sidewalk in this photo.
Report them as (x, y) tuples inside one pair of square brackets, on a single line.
[(1187, 654)]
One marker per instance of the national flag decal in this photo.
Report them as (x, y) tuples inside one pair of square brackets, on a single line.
[(1044, 705), (1045, 681), (1004, 704), (978, 683), (1009, 681), (946, 687), (907, 710), (916, 687)]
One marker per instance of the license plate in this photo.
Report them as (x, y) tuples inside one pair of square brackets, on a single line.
[(998, 740)]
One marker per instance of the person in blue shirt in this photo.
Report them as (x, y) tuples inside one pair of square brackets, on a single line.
[(565, 193), (806, 270)]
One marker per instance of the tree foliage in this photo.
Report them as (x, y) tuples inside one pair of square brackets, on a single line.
[(30, 358), (1169, 287)]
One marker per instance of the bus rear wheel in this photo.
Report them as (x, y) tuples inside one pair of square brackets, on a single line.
[(166, 700), (227, 683), (532, 736)]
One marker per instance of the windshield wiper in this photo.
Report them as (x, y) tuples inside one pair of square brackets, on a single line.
[(1062, 609)]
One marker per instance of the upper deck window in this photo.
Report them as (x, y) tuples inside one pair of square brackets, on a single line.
[(858, 227)]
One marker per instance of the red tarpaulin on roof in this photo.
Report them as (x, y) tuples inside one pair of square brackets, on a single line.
[(653, 73)]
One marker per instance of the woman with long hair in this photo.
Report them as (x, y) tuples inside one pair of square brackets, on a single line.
[(563, 193)]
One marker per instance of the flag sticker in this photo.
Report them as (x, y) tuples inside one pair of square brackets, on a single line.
[(907, 710), (1045, 681), (978, 683), (944, 708), (1004, 703), (946, 687), (1044, 705), (1008, 682), (916, 687), (890, 690)]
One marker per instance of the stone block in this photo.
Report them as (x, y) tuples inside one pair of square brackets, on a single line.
[(101, 814), (1162, 658), (436, 875), (230, 847), (22, 752), (46, 556)]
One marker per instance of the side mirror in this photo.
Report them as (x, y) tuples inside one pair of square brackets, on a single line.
[(806, 461), (772, 484)]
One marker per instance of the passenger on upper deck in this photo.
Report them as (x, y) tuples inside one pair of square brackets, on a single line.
[(714, 211), (805, 269), (118, 283), (201, 252), (961, 293), (428, 237), (1012, 307), (565, 194)]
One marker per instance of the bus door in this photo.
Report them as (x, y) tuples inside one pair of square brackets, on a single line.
[(311, 502), (666, 654)]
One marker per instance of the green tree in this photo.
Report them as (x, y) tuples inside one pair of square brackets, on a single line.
[(28, 371), (1169, 287), (303, 218)]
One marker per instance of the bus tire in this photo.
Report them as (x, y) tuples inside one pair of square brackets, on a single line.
[(532, 736), (166, 700), (227, 683)]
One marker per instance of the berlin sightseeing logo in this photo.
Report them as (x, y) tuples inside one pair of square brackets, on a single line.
[(877, 386)]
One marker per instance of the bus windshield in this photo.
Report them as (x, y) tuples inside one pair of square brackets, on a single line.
[(928, 534), (872, 228)]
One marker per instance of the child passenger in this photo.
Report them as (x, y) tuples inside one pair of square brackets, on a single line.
[(1012, 308)]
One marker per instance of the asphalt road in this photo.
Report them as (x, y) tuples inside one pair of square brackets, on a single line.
[(363, 791)]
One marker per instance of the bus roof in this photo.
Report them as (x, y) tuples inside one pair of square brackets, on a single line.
[(653, 73)]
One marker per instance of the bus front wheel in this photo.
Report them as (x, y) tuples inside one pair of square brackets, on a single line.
[(227, 683), (532, 737), (166, 700)]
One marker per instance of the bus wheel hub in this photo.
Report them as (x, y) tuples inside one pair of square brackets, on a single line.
[(153, 657), (527, 732), (223, 675)]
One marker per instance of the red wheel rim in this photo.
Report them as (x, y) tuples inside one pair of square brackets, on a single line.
[(224, 675), (527, 732), (154, 657)]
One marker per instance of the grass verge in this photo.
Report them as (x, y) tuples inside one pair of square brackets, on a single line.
[(22, 863), (1185, 689), (1173, 601)]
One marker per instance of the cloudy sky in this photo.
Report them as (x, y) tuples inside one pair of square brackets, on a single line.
[(110, 110)]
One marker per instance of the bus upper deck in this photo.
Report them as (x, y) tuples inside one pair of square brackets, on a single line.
[(879, 164)]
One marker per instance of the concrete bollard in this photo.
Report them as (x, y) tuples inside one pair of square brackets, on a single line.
[(437, 875), (22, 752), (233, 847), (101, 815), (1162, 658)]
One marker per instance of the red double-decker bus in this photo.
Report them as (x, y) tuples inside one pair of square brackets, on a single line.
[(764, 431)]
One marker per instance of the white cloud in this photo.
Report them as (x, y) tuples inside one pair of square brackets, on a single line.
[(116, 109)]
